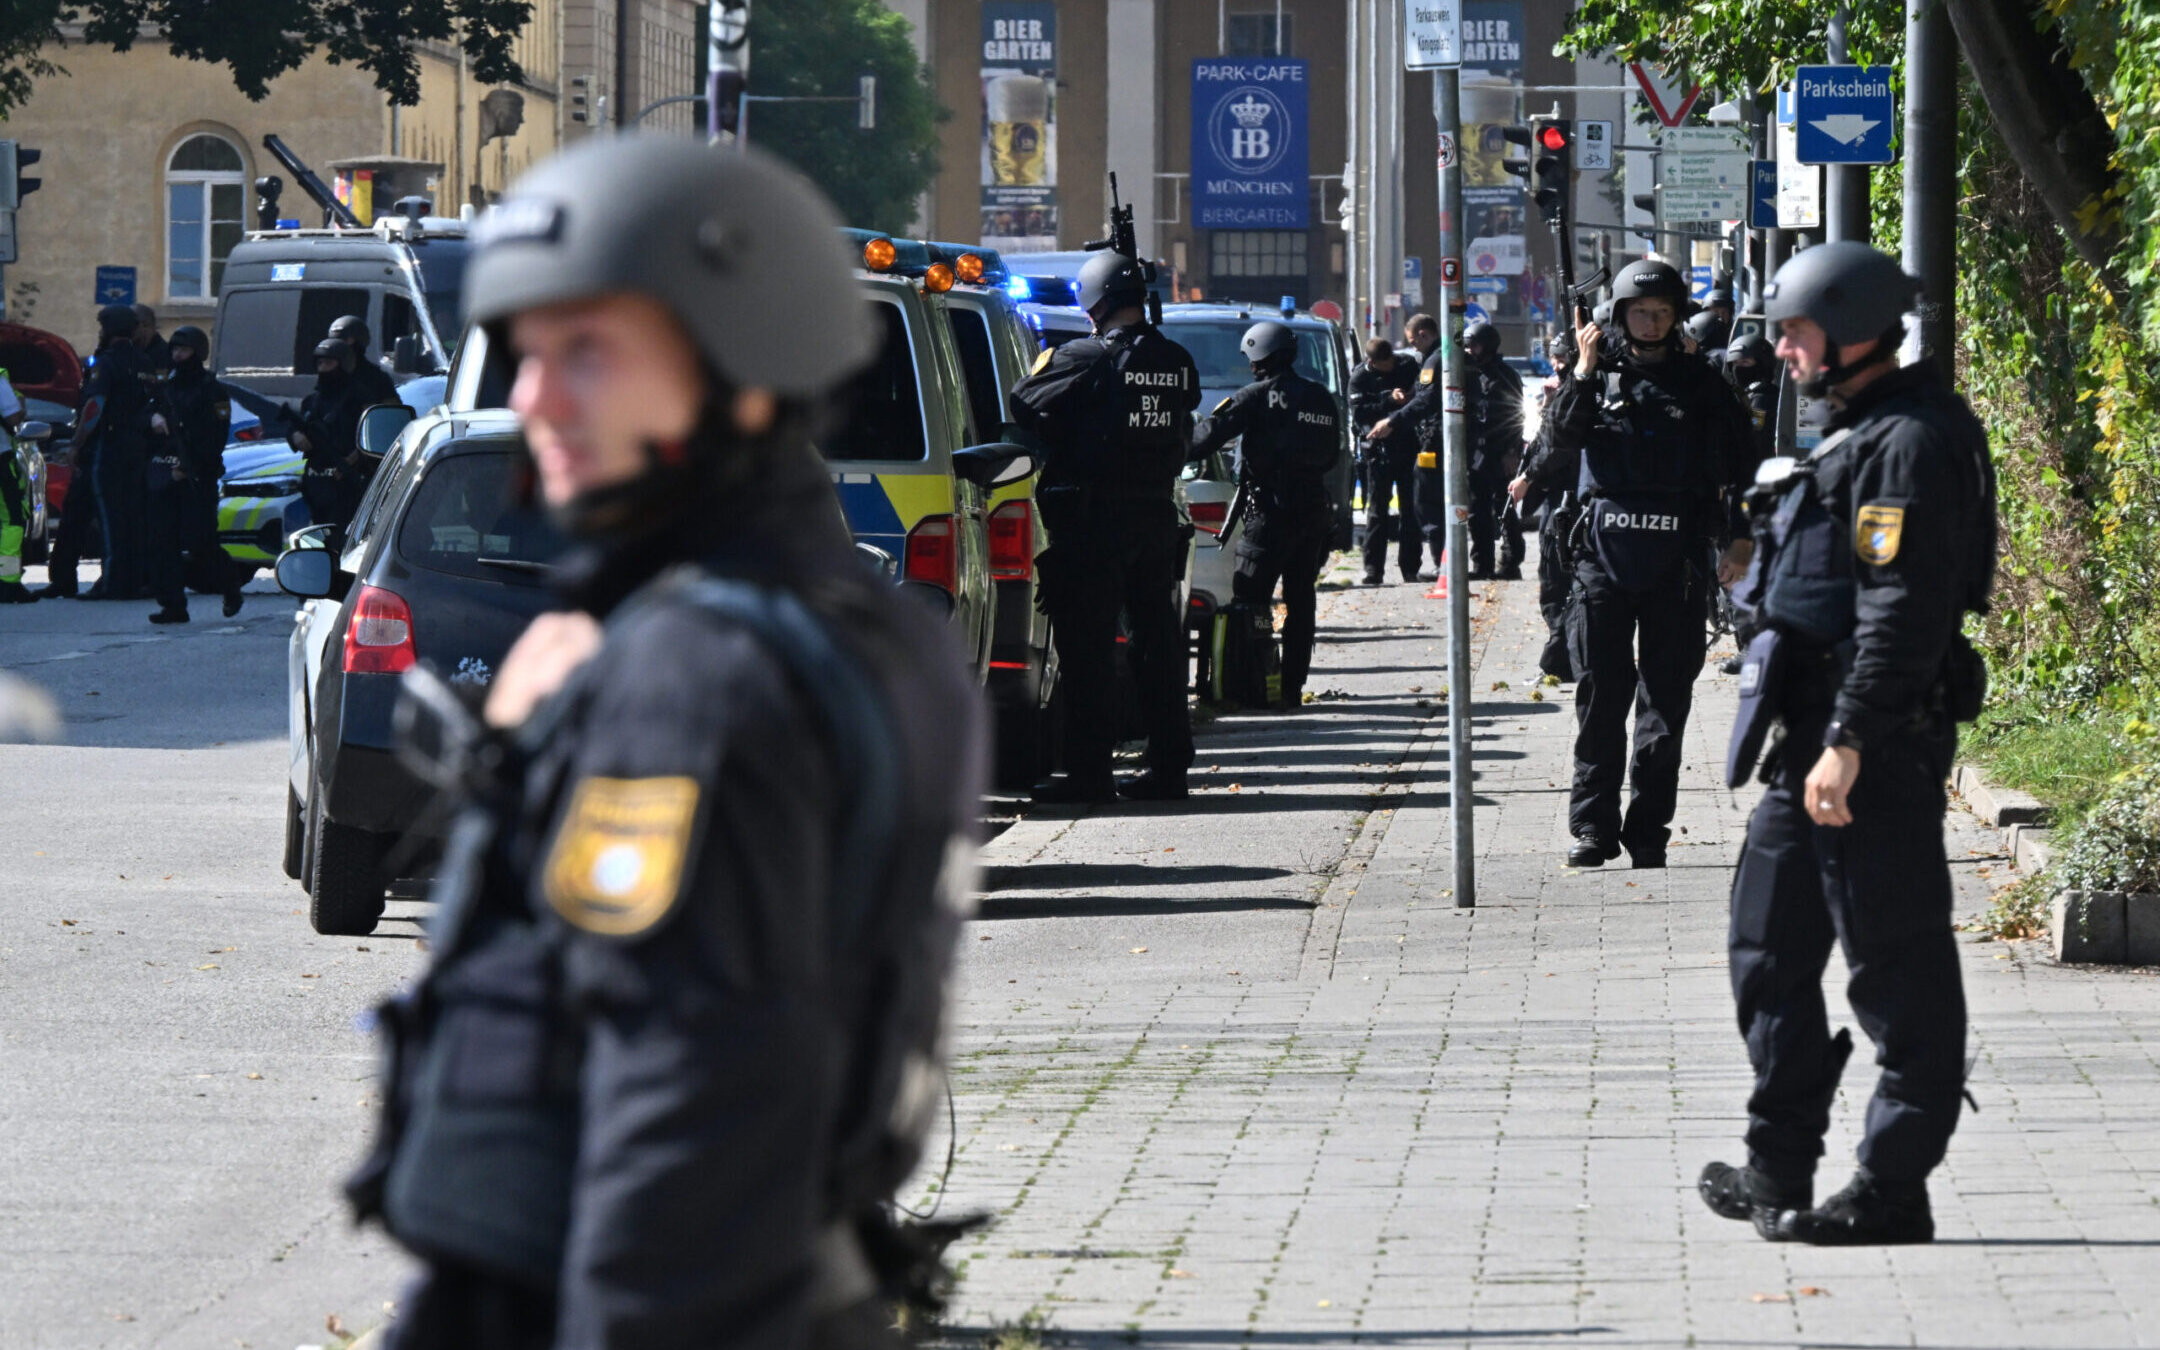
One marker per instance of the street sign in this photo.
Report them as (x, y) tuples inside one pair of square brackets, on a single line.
[(1799, 186), (1784, 107), (1692, 205), (1762, 198), (115, 286), (1413, 281), (1667, 99), (1700, 280), (1475, 313), (1487, 286), (1593, 145), (1844, 114), (1497, 255), (1432, 34)]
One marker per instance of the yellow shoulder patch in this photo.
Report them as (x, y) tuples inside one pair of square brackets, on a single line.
[(1425, 376), (1219, 407), (1877, 532), (617, 861), (1042, 361)]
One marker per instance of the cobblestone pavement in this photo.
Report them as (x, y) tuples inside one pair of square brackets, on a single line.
[(1236, 1071)]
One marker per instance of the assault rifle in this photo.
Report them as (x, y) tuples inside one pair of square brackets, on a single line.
[(1123, 240)]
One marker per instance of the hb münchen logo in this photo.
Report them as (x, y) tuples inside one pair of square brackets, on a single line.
[(1249, 128)]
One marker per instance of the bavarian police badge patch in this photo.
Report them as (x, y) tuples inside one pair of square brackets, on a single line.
[(617, 861), (1042, 362), (1425, 376), (1875, 537)]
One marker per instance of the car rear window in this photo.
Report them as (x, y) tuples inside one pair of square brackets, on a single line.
[(1214, 347), (971, 331), (464, 520), (881, 408)]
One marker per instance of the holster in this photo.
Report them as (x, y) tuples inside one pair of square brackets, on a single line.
[(1964, 680)]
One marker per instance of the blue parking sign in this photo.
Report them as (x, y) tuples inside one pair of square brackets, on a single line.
[(115, 286), (1844, 114), (1762, 202)]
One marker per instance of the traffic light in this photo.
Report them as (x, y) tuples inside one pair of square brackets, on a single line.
[(728, 84), (1555, 166), (1525, 137), (14, 186)]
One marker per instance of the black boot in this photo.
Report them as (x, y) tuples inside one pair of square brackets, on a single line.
[(1647, 852), (170, 615), (1869, 1212), (1065, 789), (1155, 785), (233, 601), (15, 593), (1744, 1193), (55, 590), (1591, 851)]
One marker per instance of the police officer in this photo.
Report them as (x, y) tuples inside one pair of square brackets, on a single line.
[(1751, 369), (1422, 413), (1378, 387), (1868, 561), (1709, 331), (1115, 411), (679, 1041), (1292, 438), (157, 352), (109, 447), (373, 382), (328, 436), (1661, 440), (1494, 405), (190, 420), (1546, 487)]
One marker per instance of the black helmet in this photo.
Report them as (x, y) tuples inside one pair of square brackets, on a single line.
[(1852, 291), (1480, 338), (1709, 329), (1750, 348), (1649, 279), (116, 321), (1110, 276), (352, 328), (1267, 339), (338, 350), (742, 250), (192, 338)]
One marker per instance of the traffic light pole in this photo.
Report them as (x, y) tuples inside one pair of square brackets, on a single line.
[(1930, 234), (1455, 439), (1845, 186)]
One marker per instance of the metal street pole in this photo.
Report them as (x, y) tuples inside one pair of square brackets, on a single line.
[(1931, 178), (1455, 438), (1845, 186)]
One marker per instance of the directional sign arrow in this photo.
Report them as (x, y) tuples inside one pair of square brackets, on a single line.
[(1845, 128)]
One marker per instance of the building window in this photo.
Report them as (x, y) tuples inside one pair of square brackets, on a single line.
[(205, 214), (1254, 35), (1256, 253)]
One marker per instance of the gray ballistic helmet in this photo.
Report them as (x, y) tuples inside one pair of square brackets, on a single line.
[(1852, 291), (1709, 329), (1267, 339), (1650, 280), (338, 350), (1480, 338), (1110, 276), (352, 328), (1750, 348), (742, 250)]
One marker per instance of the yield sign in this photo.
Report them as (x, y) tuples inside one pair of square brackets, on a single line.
[(1667, 99)]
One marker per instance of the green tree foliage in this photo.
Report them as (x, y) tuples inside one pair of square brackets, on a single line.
[(2060, 357), (259, 40), (821, 48)]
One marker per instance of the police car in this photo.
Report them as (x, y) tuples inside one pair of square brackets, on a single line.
[(443, 564), (1211, 332)]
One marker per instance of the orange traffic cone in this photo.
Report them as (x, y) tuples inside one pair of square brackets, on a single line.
[(1439, 587)]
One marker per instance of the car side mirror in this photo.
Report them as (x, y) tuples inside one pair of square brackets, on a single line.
[(993, 465), (1775, 470), (310, 573), (405, 355), (380, 425), (34, 431)]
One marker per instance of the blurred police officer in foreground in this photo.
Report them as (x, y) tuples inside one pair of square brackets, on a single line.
[(1494, 404), (679, 1042), (373, 382), (1869, 556), (15, 500), (189, 421), (1661, 440), (1291, 438), (1378, 388), (1115, 411)]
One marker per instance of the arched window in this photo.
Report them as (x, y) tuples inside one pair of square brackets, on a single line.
[(205, 214)]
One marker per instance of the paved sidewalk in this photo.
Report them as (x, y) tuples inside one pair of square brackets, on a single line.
[(1236, 1071)]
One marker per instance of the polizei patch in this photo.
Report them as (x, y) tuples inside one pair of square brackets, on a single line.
[(617, 862), (1877, 533)]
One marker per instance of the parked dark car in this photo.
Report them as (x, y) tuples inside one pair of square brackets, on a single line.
[(442, 566)]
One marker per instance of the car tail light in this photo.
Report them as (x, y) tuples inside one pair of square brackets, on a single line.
[(253, 433), (1209, 516), (933, 553), (379, 640), (1012, 541)]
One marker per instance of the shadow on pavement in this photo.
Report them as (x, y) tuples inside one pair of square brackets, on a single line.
[(1074, 876), (1100, 907)]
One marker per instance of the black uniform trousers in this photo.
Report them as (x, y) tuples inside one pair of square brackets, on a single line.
[(1429, 491), (1556, 577), (1118, 554), (78, 516), (182, 519), (1294, 556), (1389, 478), (1490, 522), (122, 517), (1644, 648), (1880, 887)]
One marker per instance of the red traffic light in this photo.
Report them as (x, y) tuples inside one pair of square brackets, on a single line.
[(1551, 138)]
